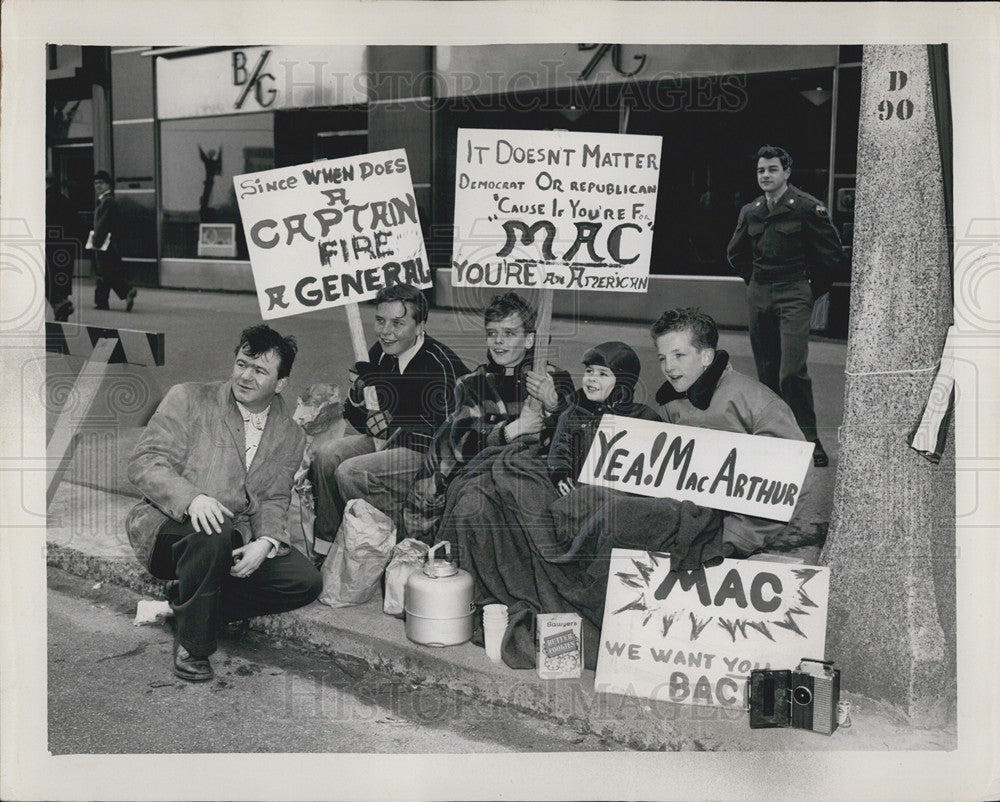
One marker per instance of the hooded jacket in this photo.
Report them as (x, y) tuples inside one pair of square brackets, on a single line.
[(578, 425)]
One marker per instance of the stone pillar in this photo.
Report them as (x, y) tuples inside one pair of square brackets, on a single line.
[(891, 546)]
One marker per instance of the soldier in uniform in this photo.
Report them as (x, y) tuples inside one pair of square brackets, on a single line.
[(787, 251)]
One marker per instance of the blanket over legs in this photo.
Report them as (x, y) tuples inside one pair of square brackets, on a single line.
[(535, 551)]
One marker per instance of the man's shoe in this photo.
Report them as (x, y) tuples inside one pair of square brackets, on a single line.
[(130, 299), (191, 668), (63, 310), (820, 458), (105, 307)]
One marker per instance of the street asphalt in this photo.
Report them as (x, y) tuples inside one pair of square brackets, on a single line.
[(111, 692)]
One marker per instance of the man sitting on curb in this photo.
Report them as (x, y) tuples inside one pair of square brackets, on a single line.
[(215, 465), (501, 400), (414, 378), (703, 390)]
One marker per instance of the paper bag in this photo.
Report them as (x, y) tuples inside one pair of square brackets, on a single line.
[(359, 555)]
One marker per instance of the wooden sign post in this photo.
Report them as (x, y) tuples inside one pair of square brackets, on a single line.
[(360, 348)]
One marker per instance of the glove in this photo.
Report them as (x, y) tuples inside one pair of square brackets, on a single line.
[(377, 424), (557, 475), (361, 375)]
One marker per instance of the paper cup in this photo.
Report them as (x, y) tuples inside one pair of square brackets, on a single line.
[(495, 612), (493, 632)]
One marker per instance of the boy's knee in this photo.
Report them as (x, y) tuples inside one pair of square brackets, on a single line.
[(314, 587), (326, 457), (349, 477)]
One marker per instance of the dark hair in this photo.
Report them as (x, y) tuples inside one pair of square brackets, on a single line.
[(103, 175), (704, 333), (262, 339), (510, 303), (774, 152), (412, 298)]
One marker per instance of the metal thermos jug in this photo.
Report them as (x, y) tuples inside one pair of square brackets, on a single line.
[(438, 602)]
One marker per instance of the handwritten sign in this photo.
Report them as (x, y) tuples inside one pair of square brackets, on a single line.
[(559, 209), (693, 637), (743, 473), (331, 232)]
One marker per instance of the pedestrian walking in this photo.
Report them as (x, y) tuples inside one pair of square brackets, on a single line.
[(62, 244), (787, 251), (112, 274)]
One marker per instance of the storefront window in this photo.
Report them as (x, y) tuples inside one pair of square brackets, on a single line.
[(198, 159), (711, 127)]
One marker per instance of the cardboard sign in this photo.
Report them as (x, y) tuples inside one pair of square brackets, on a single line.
[(693, 637), (333, 232), (744, 473), (559, 209)]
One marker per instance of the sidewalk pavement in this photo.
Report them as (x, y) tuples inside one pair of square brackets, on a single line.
[(86, 537)]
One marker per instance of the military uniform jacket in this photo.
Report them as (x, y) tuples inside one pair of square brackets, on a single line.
[(794, 240)]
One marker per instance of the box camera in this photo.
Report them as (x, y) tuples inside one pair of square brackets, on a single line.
[(805, 698)]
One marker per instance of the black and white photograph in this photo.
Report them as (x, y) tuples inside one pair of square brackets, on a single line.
[(414, 400)]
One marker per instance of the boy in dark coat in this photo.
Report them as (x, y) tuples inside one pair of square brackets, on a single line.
[(612, 370), (414, 377), (501, 401)]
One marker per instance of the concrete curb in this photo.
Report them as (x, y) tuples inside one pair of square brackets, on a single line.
[(364, 633), (570, 702)]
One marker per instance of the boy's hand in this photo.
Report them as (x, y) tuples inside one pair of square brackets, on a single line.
[(542, 388), (566, 486), (207, 514)]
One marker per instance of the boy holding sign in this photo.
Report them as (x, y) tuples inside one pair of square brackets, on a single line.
[(414, 378), (501, 401), (703, 390)]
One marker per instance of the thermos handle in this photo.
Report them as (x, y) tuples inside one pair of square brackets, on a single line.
[(447, 550)]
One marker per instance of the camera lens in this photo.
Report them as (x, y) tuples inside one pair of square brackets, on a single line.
[(802, 695)]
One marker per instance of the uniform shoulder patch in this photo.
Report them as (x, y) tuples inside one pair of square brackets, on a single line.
[(820, 210)]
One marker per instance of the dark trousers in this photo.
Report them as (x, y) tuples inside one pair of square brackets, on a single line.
[(112, 274), (58, 273), (779, 335), (208, 595)]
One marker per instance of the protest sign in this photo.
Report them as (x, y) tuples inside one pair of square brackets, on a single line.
[(693, 637), (554, 209), (332, 232), (744, 473)]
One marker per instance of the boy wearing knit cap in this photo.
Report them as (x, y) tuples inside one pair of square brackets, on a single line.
[(609, 379)]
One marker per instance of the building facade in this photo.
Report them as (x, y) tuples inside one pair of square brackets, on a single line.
[(174, 125)]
